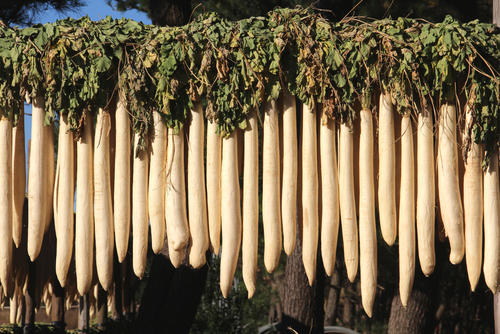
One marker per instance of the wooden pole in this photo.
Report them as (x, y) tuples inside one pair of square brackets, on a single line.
[(29, 297), (57, 313), (102, 307), (496, 298), (83, 314), (496, 12)]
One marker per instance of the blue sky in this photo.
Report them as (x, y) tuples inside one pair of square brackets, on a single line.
[(96, 10)]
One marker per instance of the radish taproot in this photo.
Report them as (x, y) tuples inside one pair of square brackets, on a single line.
[(347, 202), (156, 196), (387, 170), (231, 215), (450, 203), (250, 204), (406, 213), (122, 179), (367, 229), (197, 216), (103, 209), (289, 183), (425, 193)]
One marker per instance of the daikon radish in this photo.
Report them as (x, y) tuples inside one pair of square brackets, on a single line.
[(18, 179), (139, 210), (425, 193), (177, 257), (122, 179), (271, 213), (12, 310), (84, 226), (406, 213), (6, 206), (213, 185), (450, 202), (198, 225), (289, 187), (64, 200), (310, 219), (103, 209), (367, 229), (231, 215), (156, 196), (473, 208), (491, 267), (329, 194), (175, 193), (347, 202), (387, 170), (37, 180), (50, 175), (250, 204)]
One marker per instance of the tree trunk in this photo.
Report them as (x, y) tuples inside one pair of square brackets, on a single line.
[(414, 318), (302, 304), (332, 301), (170, 13), (171, 296)]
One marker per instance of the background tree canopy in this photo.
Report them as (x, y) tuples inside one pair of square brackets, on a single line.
[(23, 11), (432, 10)]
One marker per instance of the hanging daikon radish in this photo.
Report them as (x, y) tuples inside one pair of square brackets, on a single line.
[(18, 179), (310, 219), (347, 202), (198, 225), (387, 170), (177, 256), (64, 200), (425, 193), (175, 193), (271, 213), (329, 194), (406, 213), (122, 177), (231, 215), (250, 204), (139, 210), (473, 207), (6, 206), (12, 310), (450, 202), (491, 267), (50, 175), (103, 209), (289, 187), (367, 229), (84, 226), (37, 180), (156, 197), (213, 185)]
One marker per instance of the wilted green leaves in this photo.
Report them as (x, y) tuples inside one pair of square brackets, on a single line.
[(235, 67)]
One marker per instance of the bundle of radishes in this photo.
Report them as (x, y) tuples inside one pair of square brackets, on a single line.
[(313, 167)]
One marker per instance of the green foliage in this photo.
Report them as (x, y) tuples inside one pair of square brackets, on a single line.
[(233, 67)]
